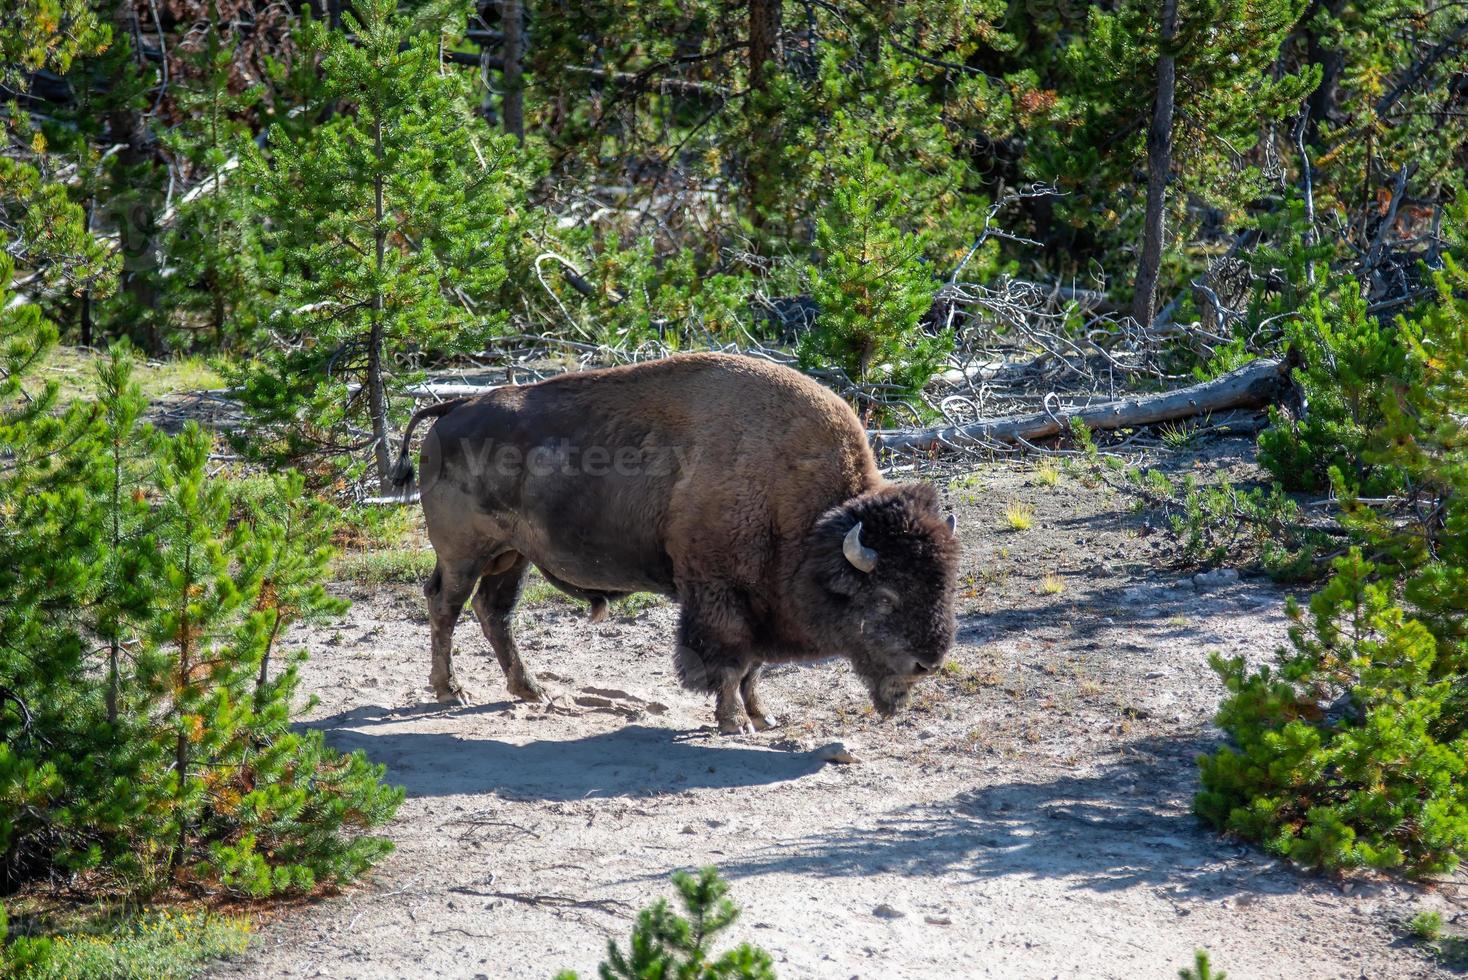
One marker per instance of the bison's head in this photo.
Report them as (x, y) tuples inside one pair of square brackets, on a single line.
[(880, 575)]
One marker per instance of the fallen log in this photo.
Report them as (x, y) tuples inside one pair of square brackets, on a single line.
[(1258, 383), (430, 391)]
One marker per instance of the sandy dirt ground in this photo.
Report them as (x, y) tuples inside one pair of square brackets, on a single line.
[(1028, 817)]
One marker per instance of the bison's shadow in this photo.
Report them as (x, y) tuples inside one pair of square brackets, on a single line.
[(1127, 825), (631, 761)]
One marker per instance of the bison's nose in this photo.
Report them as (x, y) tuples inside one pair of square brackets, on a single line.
[(918, 667)]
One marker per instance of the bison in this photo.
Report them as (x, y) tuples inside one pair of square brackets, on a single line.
[(742, 489)]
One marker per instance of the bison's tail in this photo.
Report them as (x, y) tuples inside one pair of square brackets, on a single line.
[(401, 474)]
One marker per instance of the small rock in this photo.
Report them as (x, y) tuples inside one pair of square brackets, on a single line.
[(938, 920), (1136, 595), (888, 912), (835, 752), (1216, 579)]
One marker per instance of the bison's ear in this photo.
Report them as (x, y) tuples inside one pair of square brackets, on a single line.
[(922, 497)]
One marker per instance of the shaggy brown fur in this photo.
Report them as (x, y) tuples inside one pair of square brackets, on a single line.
[(725, 482)]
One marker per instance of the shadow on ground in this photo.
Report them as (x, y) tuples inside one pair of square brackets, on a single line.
[(1128, 825), (630, 761)]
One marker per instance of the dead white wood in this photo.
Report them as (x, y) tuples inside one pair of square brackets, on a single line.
[(426, 392), (1257, 383)]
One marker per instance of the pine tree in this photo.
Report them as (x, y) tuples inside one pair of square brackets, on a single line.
[(250, 803), (1384, 104), (669, 946), (391, 221), (143, 733), (127, 570), (870, 285), (53, 251), (36, 34), (215, 261), (101, 132), (1349, 361), (1090, 136), (1352, 749), (54, 559)]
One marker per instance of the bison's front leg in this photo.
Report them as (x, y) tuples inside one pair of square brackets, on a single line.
[(748, 691), (714, 652), (699, 672)]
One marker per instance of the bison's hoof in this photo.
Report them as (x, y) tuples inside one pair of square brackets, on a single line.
[(527, 690), (764, 722), (739, 725), (453, 693)]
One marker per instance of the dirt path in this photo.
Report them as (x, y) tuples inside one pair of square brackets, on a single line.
[(1029, 817)]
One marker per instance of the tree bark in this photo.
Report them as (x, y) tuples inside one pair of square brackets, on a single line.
[(1159, 168), (134, 204), (376, 388), (1258, 383), (1322, 102), (764, 39), (512, 16), (764, 47)]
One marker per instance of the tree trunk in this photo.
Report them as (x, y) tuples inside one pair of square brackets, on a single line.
[(183, 681), (114, 642), (86, 317), (376, 387), (1159, 168), (1322, 102), (764, 46), (1261, 382), (134, 207), (764, 39), (512, 16)]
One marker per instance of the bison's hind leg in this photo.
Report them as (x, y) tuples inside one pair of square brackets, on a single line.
[(494, 604), (446, 590)]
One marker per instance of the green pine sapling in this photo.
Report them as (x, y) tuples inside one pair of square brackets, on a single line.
[(669, 946), (391, 221)]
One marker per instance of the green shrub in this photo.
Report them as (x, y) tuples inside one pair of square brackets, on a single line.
[(1202, 969), (145, 703), (669, 946), (1349, 361), (1351, 750), (1427, 926), (1339, 757), (1219, 522)]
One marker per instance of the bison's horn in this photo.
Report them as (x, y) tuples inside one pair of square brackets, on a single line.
[(952, 524), (857, 553)]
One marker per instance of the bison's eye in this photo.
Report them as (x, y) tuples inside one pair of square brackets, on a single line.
[(884, 602)]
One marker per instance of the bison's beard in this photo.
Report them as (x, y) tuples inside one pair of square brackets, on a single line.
[(889, 691)]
